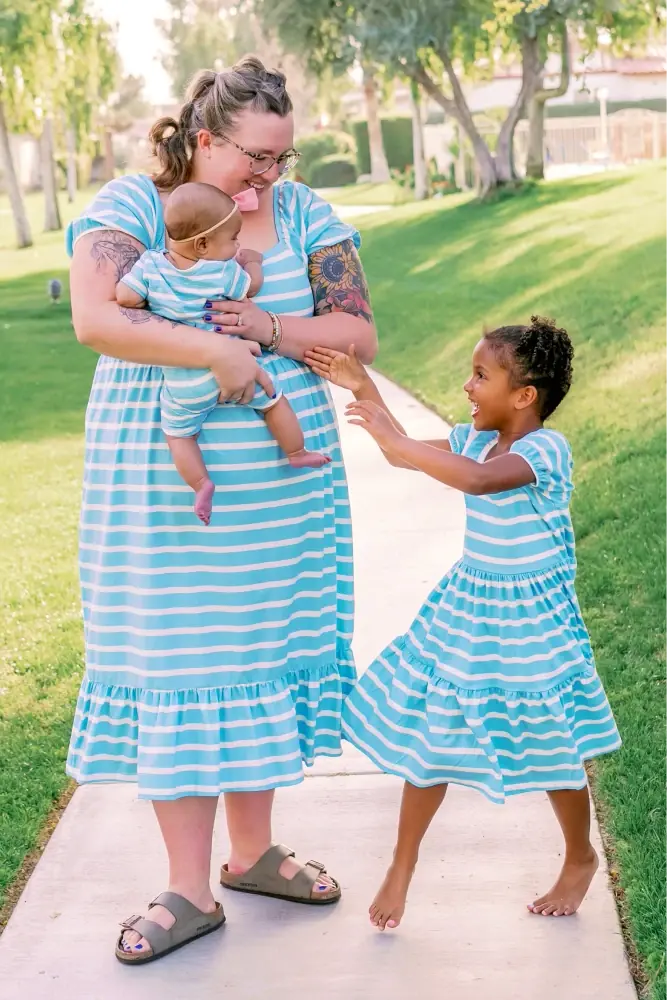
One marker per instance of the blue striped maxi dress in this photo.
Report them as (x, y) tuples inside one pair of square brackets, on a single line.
[(217, 658), (494, 684)]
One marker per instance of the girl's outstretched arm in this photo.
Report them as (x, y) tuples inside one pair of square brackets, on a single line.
[(348, 372), (507, 472)]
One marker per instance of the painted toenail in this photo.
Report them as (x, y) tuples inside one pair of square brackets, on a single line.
[(139, 947)]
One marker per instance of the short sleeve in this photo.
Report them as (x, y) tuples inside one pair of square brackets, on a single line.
[(315, 219), (126, 204), (458, 437), (235, 280), (136, 278), (550, 458)]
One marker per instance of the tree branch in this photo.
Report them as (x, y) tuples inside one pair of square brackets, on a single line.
[(545, 94)]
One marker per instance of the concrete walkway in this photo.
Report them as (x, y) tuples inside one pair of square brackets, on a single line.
[(466, 935)]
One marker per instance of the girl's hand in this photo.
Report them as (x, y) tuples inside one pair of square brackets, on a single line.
[(375, 420), (344, 370), (236, 371), (242, 319)]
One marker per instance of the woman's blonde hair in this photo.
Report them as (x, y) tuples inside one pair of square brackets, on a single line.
[(213, 101)]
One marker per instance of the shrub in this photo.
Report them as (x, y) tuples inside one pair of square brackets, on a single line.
[(317, 145), (333, 171), (397, 140)]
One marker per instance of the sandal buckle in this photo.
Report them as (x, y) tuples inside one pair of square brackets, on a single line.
[(131, 921), (316, 864)]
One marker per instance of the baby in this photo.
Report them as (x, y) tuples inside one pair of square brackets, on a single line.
[(203, 263)]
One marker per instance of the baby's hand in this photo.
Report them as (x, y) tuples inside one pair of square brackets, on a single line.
[(344, 370), (245, 256)]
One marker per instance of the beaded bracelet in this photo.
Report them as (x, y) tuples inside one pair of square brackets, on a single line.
[(277, 335)]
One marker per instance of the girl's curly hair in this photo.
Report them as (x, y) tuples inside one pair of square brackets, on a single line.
[(540, 355)]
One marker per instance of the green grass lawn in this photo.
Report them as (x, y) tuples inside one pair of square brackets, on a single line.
[(367, 194), (589, 252)]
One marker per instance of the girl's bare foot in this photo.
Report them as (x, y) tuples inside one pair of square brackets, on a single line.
[(387, 908), (566, 896), (308, 459), (204, 501)]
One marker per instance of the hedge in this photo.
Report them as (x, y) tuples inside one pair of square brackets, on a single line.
[(397, 139), (316, 145), (333, 171)]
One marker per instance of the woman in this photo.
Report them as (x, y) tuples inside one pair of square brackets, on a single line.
[(216, 658)]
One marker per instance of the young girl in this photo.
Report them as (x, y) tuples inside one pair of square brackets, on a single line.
[(494, 684)]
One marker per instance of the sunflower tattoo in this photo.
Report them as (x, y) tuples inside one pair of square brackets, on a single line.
[(338, 282)]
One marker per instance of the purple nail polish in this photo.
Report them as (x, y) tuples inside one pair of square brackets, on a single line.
[(207, 317), (208, 305), (217, 329)]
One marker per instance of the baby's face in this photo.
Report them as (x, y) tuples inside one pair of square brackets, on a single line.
[(223, 244)]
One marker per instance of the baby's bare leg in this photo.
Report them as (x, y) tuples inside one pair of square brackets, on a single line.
[(573, 812), (189, 462), (283, 423), (418, 807)]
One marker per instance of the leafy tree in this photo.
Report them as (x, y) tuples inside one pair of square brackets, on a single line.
[(325, 33), (200, 34)]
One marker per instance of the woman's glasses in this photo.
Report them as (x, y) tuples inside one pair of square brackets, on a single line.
[(261, 162)]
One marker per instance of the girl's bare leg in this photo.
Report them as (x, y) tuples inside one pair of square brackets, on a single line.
[(573, 812), (187, 830), (191, 467), (283, 423), (418, 807)]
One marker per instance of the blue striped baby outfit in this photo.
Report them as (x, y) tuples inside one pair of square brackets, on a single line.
[(189, 394), (494, 684)]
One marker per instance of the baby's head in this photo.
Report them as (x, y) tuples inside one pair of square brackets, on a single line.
[(202, 222), (519, 368)]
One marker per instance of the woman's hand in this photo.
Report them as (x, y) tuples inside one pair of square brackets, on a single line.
[(375, 420), (236, 371), (243, 319), (344, 370)]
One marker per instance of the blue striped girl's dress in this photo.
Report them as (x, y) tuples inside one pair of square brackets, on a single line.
[(494, 684), (217, 658)]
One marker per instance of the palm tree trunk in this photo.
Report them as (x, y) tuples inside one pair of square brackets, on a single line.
[(71, 165), (379, 166), (418, 155), (21, 224), (51, 210)]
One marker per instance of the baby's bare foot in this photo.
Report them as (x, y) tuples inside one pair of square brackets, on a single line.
[(204, 501), (308, 459), (387, 908), (566, 896)]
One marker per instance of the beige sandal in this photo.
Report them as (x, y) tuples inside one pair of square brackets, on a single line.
[(189, 924), (264, 879)]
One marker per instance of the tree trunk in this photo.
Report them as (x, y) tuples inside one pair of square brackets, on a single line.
[(536, 111), (379, 166), (109, 164), (459, 110), (51, 210), (530, 80), (418, 156), (71, 165), (21, 224)]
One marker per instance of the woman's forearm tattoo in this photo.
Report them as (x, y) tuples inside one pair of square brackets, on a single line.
[(338, 282), (116, 248)]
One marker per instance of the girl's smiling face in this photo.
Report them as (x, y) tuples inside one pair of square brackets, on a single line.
[(493, 398)]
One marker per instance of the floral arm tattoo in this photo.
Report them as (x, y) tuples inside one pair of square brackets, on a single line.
[(338, 282), (118, 250)]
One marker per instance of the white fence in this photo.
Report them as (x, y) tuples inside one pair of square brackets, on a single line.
[(623, 137)]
